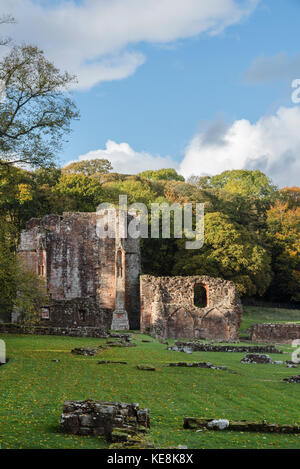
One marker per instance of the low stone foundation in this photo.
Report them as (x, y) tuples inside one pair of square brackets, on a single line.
[(189, 347), (239, 426), (198, 365), (96, 332), (276, 333), (101, 418)]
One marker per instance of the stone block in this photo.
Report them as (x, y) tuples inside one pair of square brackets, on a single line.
[(101, 418)]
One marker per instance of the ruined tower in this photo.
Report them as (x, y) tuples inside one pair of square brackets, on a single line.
[(91, 280)]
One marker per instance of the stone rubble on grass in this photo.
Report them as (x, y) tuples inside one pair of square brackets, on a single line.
[(198, 365), (220, 424), (86, 351), (119, 343), (163, 341), (130, 439), (293, 379), (106, 362), (125, 337), (261, 359), (101, 418), (291, 364)]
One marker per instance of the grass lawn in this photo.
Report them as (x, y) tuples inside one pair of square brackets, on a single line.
[(33, 389), (257, 315)]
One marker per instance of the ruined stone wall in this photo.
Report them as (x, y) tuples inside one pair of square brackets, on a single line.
[(80, 269), (100, 417), (168, 310), (276, 333), (80, 331)]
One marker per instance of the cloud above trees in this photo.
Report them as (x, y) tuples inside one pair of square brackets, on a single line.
[(272, 145)]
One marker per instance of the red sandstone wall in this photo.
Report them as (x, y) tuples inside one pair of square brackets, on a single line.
[(276, 333), (80, 268), (168, 310)]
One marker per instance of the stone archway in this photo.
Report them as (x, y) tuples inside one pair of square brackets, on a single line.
[(180, 324)]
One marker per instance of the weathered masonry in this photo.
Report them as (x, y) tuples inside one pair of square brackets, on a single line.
[(190, 307), (275, 333), (92, 281)]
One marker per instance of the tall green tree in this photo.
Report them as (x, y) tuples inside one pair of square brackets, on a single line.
[(230, 251), (243, 182), (79, 192), (36, 113)]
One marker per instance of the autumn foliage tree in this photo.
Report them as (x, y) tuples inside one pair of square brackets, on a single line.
[(284, 238)]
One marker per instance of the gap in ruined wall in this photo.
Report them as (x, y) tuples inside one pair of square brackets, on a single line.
[(200, 296)]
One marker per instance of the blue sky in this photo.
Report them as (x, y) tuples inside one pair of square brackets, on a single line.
[(210, 98)]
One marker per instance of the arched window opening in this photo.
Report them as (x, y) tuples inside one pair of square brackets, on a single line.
[(200, 296)]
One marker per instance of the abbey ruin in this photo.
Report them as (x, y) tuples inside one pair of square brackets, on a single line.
[(95, 282)]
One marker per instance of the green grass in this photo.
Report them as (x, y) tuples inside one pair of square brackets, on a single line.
[(33, 389), (258, 315)]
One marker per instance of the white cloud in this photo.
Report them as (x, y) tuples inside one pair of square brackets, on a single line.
[(126, 160), (272, 145), (269, 69), (91, 38)]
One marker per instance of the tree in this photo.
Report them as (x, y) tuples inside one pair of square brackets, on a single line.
[(79, 192), (89, 167), (19, 287), (291, 195), (245, 182), (284, 238), (230, 251), (31, 294), (36, 112), (16, 194), (202, 182), (168, 174), (137, 189)]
